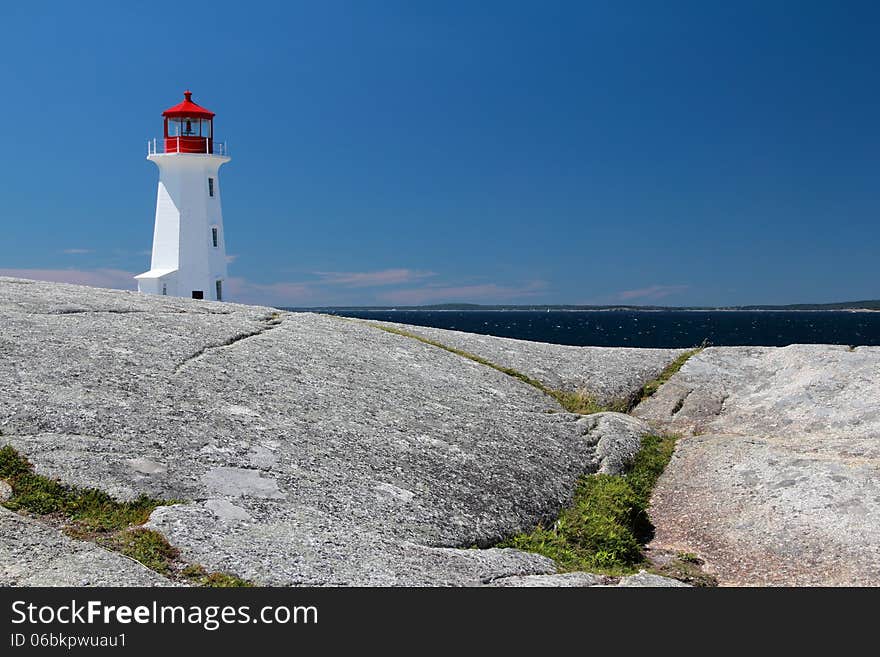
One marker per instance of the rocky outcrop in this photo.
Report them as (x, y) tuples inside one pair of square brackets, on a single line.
[(642, 579), (617, 437), (608, 374), (307, 449), (779, 479)]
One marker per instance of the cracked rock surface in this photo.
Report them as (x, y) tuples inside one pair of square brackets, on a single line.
[(608, 374), (778, 479), (307, 449)]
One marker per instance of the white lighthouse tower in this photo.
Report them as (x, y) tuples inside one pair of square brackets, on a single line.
[(189, 247)]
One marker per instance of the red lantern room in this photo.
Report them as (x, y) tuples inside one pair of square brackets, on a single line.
[(189, 128)]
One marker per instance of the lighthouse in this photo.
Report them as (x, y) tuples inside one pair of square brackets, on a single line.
[(189, 246)]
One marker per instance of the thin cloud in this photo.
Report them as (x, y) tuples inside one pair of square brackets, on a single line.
[(237, 289), (372, 278), (652, 292), (310, 293), (242, 290), (112, 278), (485, 292), (77, 251)]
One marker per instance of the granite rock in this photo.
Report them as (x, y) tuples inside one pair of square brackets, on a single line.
[(308, 449), (642, 579), (618, 438), (564, 580), (777, 480), (33, 554), (608, 374), (315, 450), (645, 579)]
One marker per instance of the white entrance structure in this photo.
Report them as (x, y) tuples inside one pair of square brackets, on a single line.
[(189, 247)]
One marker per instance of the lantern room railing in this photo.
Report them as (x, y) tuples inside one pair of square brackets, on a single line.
[(174, 145)]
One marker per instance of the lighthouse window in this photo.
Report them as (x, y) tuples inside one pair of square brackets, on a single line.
[(215, 237), (211, 187), (189, 127)]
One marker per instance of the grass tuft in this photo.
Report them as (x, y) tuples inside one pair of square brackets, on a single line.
[(686, 567), (653, 386), (584, 404), (200, 577), (90, 510), (607, 524), (12, 463), (93, 515), (146, 546)]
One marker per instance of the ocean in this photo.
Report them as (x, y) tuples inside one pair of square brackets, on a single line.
[(665, 328)]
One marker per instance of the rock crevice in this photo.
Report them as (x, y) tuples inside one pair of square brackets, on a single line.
[(271, 322)]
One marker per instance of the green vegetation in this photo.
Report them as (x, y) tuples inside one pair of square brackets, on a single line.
[(607, 524), (686, 567), (147, 546), (91, 514), (89, 510), (583, 404), (200, 577), (653, 386), (688, 557)]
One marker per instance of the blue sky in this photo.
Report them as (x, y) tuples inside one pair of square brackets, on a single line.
[(427, 152)]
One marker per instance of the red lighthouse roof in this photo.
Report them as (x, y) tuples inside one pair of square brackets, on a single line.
[(188, 108)]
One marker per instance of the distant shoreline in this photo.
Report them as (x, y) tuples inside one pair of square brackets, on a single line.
[(385, 309), (861, 305)]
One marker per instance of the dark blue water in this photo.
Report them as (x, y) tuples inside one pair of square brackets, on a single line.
[(650, 328)]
